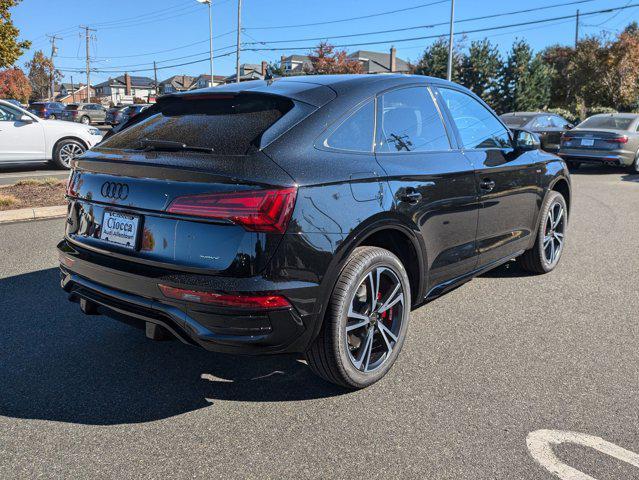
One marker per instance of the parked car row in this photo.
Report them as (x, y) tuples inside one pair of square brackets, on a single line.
[(121, 114), (604, 139), (86, 113)]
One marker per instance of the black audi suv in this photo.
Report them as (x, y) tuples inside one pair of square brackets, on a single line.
[(306, 215)]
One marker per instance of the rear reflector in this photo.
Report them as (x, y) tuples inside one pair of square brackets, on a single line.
[(255, 210), (255, 302)]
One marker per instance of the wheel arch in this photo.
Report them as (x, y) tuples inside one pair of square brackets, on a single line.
[(68, 137), (561, 185), (388, 233)]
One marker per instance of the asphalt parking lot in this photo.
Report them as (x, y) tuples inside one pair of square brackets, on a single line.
[(483, 367)]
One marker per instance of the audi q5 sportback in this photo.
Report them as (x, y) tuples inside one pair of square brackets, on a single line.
[(306, 215)]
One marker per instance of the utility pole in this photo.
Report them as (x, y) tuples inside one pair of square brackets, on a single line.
[(155, 79), (449, 70), (87, 37), (577, 29), (54, 51), (239, 38), (72, 89)]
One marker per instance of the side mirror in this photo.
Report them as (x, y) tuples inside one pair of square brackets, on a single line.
[(526, 141), (25, 119)]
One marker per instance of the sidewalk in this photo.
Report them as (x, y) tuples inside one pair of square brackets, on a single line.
[(38, 213)]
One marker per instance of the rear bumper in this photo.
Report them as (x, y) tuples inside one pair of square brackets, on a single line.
[(136, 299), (620, 158)]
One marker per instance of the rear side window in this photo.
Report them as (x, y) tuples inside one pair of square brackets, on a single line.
[(411, 122), (515, 120), (355, 134), (72, 107), (477, 125), (609, 122), (228, 124)]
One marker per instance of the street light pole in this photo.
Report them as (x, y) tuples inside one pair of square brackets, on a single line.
[(210, 4), (449, 70), (239, 39)]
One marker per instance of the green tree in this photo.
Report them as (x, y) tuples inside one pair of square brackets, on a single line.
[(41, 70), (434, 60), (558, 58), (525, 81), (480, 70), (10, 48)]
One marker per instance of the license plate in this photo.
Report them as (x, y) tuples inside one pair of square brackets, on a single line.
[(120, 229), (587, 142)]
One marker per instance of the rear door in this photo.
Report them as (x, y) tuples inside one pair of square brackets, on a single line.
[(507, 179), (432, 182)]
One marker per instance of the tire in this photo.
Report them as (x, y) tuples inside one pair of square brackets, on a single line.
[(52, 117), (634, 168), (545, 255), (85, 120), (362, 355), (65, 151)]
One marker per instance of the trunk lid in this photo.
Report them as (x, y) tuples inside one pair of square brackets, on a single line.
[(600, 139), (104, 188)]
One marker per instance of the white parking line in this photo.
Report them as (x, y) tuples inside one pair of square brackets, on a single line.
[(540, 444)]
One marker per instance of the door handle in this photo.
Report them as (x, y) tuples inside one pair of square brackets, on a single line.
[(487, 184), (410, 195)]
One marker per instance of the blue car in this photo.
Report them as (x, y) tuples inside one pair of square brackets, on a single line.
[(47, 110)]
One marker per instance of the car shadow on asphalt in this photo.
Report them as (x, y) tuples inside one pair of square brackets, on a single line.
[(57, 364), (510, 269)]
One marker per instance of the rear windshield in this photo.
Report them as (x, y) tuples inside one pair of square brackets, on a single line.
[(72, 107), (515, 121), (613, 123), (228, 124)]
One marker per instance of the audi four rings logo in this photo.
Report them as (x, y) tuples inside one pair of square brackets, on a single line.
[(114, 190)]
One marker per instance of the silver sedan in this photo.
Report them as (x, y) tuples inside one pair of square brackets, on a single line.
[(609, 139)]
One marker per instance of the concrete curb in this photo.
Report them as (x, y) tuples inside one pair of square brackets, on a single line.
[(26, 214)]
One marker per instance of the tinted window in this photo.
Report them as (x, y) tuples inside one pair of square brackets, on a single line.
[(8, 114), (515, 120), (71, 107), (411, 122), (356, 132), (609, 122), (559, 122), (542, 121), (477, 126), (229, 124)]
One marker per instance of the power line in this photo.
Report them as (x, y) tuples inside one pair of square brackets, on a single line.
[(432, 25), (348, 19), (427, 37)]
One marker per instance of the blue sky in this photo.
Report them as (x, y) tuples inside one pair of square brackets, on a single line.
[(131, 34)]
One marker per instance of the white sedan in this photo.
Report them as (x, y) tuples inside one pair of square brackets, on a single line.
[(25, 138)]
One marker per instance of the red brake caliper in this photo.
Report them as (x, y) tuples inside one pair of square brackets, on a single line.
[(387, 315)]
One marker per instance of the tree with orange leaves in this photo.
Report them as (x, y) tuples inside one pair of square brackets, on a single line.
[(14, 84), (327, 60)]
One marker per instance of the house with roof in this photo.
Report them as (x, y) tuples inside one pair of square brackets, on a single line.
[(125, 88), (177, 83), (296, 64), (204, 81), (377, 62), (248, 72), (73, 92)]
